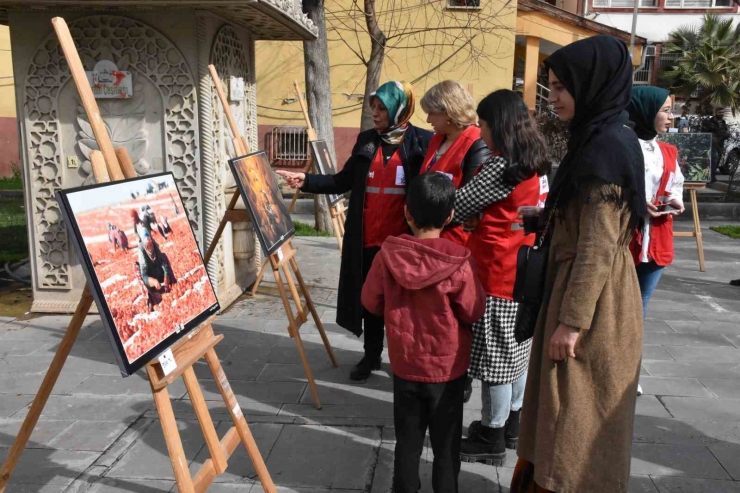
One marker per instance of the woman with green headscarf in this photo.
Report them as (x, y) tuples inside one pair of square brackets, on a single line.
[(383, 162), (652, 246)]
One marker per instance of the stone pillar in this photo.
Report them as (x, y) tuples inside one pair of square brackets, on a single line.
[(531, 63)]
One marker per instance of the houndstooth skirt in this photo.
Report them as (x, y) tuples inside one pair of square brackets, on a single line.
[(496, 357)]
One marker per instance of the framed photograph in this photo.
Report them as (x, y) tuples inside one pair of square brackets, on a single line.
[(324, 164), (694, 154), (261, 193), (142, 263)]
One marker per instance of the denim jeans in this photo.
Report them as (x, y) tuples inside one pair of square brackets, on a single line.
[(499, 400), (648, 274)]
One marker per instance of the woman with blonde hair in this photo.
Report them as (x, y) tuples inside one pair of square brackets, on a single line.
[(456, 149)]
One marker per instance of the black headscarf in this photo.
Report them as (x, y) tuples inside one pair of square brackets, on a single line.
[(597, 72)]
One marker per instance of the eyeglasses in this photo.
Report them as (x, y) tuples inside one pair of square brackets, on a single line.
[(668, 111)]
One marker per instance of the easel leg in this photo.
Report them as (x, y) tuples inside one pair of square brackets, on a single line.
[(293, 201), (173, 441), (240, 422), (316, 318), (296, 297), (697, 230), (32, 418), (293, 328), (206, 423), (260, 277), (337, 229)]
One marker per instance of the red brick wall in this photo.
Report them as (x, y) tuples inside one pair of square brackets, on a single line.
[(9, 152)]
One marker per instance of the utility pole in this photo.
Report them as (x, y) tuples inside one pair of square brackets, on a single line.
[(634, 29)]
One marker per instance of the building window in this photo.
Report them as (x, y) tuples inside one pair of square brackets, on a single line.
[(463, 4), (623, 4), (287, 147), (698, 4)]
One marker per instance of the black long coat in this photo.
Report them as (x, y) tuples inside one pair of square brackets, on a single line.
[(353, 177)]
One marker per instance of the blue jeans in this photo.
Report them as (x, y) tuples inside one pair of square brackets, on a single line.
[(648, 274), (499, 400)]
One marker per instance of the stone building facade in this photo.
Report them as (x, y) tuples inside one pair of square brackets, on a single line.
[(173, 121)]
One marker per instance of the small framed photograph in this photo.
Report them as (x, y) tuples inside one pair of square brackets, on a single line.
[(324, 164)]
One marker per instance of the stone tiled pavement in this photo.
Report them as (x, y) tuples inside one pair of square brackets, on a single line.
[(99, 432)]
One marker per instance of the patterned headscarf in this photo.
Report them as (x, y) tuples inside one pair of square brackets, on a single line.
[(398, 97)]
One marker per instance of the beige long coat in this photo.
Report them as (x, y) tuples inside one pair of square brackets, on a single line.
[(577, 417)]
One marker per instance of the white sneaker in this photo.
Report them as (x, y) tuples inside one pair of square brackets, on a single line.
[(639, 389)]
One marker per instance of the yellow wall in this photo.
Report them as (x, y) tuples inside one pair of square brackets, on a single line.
[(7, 89), (539, 25), (279, 63)]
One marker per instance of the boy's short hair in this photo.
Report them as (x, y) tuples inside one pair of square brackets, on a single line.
[(430, 200)]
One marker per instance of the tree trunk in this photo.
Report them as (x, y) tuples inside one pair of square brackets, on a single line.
[(374, 64), (318, 96)]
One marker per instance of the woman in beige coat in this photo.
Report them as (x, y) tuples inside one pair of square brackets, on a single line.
[(578, 412)]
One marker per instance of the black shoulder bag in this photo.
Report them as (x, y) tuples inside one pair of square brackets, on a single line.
[(529, 286)]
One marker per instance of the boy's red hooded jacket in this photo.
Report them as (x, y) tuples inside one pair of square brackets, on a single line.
[(429, 293)]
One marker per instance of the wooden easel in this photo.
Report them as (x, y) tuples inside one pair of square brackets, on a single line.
[(282, 261), (696, 233), (109, 164), (337, 210)]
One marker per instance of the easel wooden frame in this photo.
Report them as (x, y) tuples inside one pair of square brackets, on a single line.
[(696, 233), (282, 261), (336, 211), (115, 164)]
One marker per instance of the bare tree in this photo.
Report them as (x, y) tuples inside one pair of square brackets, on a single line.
[(318, 96), (450, 35)]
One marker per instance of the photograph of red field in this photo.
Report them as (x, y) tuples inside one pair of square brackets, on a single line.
[(145, 260)]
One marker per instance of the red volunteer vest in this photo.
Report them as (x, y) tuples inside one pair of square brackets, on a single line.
[(450, 163), (385, 196), (496, 241), (660, 248)]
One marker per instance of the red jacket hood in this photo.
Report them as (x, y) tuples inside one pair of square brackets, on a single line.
[(418, 263)]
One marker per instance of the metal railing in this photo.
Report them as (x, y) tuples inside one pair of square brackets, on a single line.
[(541, 104)]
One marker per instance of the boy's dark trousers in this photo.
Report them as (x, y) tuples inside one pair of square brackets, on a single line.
[(439, 406)]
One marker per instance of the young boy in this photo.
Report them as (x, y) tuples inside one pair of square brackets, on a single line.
[(427, 289)]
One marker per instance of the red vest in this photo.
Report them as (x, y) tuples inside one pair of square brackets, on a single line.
[(496, 240), (385, 197), (450, 163), (660, 248)]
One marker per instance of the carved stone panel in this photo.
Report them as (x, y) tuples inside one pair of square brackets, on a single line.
[(158, 126)]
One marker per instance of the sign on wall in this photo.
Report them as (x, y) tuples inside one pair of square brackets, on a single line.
[(107, 82)]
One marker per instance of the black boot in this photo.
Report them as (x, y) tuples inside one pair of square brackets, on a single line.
[(468, 389), (512, 429), (488, 445), (365, 368)]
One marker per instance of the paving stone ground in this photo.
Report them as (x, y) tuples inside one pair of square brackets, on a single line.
[(99, 432)]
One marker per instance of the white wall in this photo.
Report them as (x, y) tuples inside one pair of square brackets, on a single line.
[(655, 27)]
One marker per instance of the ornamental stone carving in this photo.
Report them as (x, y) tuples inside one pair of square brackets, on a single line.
[(294, 8), (163, 82)]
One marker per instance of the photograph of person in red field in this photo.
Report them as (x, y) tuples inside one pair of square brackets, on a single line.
[(142, 260)]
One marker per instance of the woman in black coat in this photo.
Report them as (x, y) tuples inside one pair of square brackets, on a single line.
[(384, 160)]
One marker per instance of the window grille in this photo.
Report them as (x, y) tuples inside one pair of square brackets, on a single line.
[(287, 147)]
